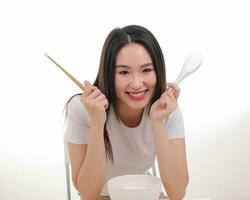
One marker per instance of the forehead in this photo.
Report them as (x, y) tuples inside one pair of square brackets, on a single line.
[(133, 54)]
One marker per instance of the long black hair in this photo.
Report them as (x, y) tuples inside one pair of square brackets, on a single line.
[(116, 39)]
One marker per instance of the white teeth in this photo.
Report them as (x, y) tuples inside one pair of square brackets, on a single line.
[(137, 94)]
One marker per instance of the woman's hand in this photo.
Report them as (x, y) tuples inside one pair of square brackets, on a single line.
[(95, 103), (175, 88), (166, 104)]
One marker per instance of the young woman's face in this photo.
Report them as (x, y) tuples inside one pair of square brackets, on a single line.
[(135, 78)]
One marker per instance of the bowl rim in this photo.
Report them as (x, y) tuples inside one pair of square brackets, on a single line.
[(155, 184)]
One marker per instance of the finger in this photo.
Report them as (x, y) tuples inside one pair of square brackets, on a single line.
[(100, 98), (88, 88), (104, 103), (168, 99), (171, 96), (175, 88), (95, 93), (164, 99), (170, 93), (173, 85)]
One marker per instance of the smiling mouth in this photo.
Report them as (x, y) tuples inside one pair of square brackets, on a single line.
[(137, 95)]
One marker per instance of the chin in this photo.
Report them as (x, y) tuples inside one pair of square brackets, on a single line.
[(137, 105)]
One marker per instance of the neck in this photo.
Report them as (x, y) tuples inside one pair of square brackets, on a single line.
[(130, 117)]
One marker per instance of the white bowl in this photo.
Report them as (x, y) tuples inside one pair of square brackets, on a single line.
[(134, 187)]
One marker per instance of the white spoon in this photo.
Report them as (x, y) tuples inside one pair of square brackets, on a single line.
[(191, 64)]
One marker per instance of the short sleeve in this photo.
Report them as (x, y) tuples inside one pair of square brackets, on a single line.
[(77, 122), (174, 125)]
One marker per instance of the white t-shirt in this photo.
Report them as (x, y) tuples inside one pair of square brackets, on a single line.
[(133, 148)]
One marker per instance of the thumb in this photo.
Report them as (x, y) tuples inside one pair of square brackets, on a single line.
[(87, 83), (87, 90)]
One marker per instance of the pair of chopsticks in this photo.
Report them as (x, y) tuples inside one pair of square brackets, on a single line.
[(71, 77), (67, 73)]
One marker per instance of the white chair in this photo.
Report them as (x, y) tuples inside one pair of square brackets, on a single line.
[(67, 169)]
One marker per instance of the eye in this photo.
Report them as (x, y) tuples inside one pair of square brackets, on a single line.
[(147, 70), (123, 72)]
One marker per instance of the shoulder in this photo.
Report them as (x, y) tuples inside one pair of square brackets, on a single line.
[(176, 115), (78, 123), (174, 124), (76, 110), (74, 102)]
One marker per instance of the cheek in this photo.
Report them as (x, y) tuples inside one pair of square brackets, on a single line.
[(151, 80), (119, 84)]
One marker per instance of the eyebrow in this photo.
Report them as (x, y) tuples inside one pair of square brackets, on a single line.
[(125, 66)]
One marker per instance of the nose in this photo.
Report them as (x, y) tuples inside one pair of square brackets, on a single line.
[(136, 82)]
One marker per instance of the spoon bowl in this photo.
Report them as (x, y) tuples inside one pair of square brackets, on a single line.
[(191, 64)]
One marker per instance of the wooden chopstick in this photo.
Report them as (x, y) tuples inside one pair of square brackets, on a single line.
[(68, 74)]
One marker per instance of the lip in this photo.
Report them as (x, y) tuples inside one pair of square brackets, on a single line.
[(137, 98)]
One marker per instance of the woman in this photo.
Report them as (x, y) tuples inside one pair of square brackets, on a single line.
[(126, 118)]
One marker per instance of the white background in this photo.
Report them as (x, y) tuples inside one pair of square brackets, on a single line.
[(215, 100)]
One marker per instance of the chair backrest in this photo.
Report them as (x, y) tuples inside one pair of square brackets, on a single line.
[(67, 169), (66, 153)]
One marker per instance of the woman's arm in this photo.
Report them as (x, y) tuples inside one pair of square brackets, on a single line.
[(90, 177), (88, 163), (171, 156), (171, 153)]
